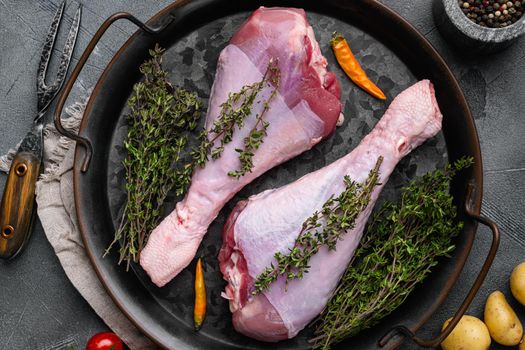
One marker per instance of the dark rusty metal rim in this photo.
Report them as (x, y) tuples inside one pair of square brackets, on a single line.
[(391, 15)]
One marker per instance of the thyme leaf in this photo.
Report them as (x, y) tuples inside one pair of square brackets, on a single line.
[(403, 242), (323, 228)]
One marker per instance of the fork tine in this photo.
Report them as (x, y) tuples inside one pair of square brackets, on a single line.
[(48, 48), (50, 91), (67, 53)]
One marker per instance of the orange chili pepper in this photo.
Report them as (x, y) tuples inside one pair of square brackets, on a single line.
[(348, 62), (199, 311)]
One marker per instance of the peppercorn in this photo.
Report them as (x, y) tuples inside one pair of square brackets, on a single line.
[(492, 13)]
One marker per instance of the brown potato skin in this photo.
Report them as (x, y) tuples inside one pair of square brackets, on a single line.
[(503, 323), (470, 334), (517, 283)]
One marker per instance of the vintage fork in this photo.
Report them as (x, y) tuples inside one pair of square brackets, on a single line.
[(17, 206)]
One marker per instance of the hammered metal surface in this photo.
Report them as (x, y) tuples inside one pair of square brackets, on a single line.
[(192, 62)]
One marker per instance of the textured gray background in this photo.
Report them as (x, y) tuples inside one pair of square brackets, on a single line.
[(39, 309)]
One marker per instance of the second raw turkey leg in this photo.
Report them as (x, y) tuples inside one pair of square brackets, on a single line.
[(271, 221)]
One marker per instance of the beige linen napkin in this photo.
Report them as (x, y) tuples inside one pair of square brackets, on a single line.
[(56, 210)]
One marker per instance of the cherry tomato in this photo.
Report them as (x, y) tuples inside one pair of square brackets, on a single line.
[(105, 341)]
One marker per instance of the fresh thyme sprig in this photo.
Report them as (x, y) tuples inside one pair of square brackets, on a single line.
[(159, 121), (324, 228), (234, 112), (399, 249), (259, 131)]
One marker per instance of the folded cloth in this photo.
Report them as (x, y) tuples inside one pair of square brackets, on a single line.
[(56, 211)]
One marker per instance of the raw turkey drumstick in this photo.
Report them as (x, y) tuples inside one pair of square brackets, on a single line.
[(304, 111), (271, 221)]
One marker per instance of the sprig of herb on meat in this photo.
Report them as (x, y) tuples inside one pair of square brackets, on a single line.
[(159, 120), (324, 228), (234, 112), (259, 131), (402, 244)]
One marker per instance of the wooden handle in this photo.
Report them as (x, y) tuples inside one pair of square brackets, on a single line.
[(18, 200)]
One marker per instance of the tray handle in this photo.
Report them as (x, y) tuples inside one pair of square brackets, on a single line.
[(431, 343), (82, 141)]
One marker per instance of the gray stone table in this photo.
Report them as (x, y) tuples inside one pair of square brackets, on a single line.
[(40, 309)]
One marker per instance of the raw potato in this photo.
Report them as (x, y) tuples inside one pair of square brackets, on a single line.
[(470, 334), (522, 344), (517, 283), (502, 322)]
